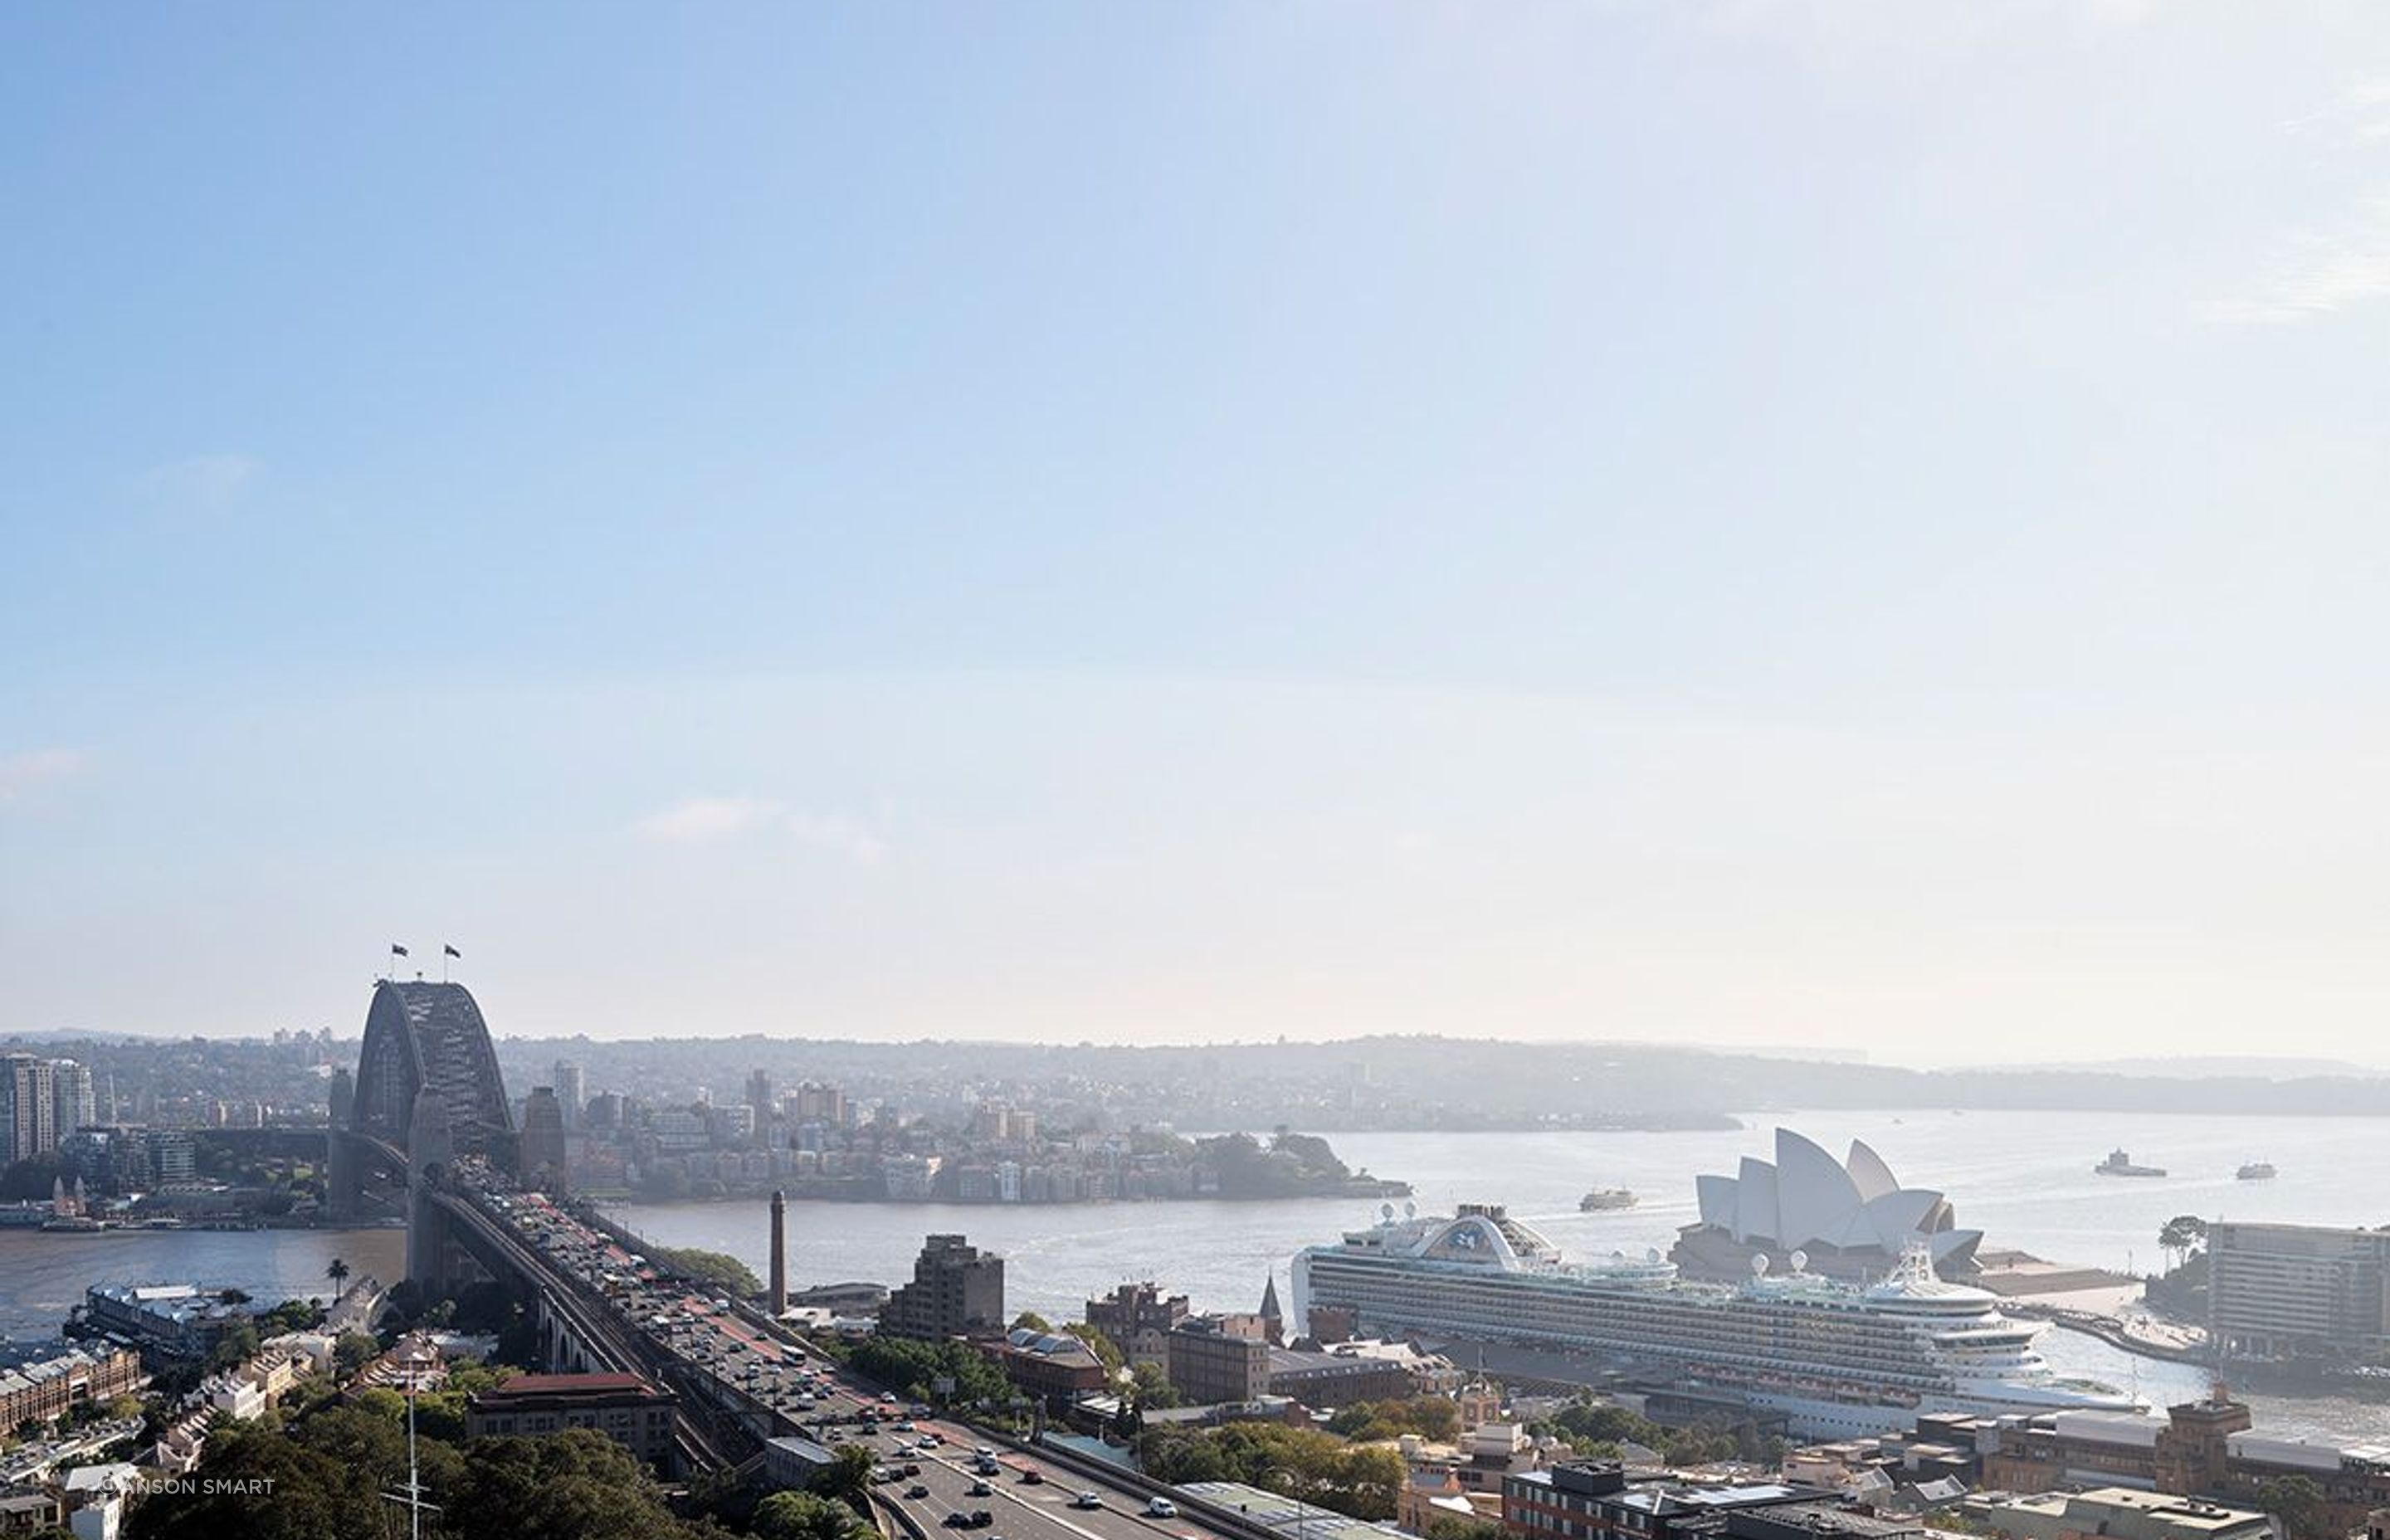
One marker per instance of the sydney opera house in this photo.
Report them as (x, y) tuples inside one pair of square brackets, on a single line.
[(1851, 1218)]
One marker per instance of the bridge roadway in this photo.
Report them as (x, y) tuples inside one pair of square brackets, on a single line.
[(708, 1439), (746, 1379)]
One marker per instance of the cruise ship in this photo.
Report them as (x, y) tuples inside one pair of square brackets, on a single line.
[(1837, 1359)]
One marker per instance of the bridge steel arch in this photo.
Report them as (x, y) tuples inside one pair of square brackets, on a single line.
[(430, 1037)]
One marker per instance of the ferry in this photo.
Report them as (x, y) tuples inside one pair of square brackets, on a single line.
[(2255, 1171), (1601, 1200), (2118, 1163), (1837, 1359)]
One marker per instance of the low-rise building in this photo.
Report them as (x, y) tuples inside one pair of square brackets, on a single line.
[(1329, 1378), (795, 1461), (625, 1408), (1138, 1318), (28, 1512), (1210, 1362), (1052, 1365), (1597, 1500), (94, 1498), (2116, 1512), (42, 1383)]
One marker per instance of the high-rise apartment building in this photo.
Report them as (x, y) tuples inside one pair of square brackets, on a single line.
[(572, 1092), (758, 1103), (74, 1100), (956, 1290), (27, 1106)]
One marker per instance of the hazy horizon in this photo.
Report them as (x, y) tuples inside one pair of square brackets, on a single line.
[(1742, 521)]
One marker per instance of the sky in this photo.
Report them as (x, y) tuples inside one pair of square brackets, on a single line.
[(1744, 523)]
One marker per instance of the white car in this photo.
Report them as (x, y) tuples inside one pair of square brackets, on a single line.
[(1162, 1507)]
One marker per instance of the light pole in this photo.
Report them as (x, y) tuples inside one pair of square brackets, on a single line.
[(1294, 1481)]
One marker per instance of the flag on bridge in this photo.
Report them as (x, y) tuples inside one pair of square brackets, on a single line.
[(450, 951), (396, 950)]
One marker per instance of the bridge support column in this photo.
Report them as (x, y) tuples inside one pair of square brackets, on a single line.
[(343, 1175), (430, 1149)]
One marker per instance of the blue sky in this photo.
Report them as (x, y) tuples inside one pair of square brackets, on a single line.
[(1852, 523)]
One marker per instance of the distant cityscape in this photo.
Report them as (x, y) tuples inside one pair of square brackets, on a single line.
[(1825, 1354)]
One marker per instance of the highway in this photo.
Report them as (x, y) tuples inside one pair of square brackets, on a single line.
[(705, 1343)]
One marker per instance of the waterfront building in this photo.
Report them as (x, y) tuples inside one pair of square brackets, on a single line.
[(2115, 1513), (2299, 1292), (167, 1322), (1851, 1220), (1138, 1319), (958, 1291), (625, 1408), (1216, 1358), (172, 1163)]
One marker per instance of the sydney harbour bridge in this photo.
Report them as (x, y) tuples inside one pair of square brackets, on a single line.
[(427, 1091)]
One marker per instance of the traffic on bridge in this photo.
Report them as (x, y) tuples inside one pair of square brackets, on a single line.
[(937, 1476)]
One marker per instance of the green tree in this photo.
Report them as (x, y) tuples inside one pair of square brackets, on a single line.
[(1153, 1387), (1107, 1351), (1029, 1320), (1456, 1528), (2178, 1236), (2299, 1504), (574, 1485), (847, 1478), (236, 1346), (353, 1351), (803, 1516), (714, 1269), (338, 1273)]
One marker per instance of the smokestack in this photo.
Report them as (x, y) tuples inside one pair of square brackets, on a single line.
[(779, 1252)]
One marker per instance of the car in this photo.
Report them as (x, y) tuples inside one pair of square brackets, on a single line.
[(985, 1453), (981, 1518), (1088, 1499), (1033, 1477), (916, 1492), (957, 1520), (888, 1396), (912, 1468), (1162, 1507), (979, 1489)]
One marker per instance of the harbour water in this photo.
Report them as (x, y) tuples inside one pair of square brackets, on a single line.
[(2024, 1178), (43, 1274)]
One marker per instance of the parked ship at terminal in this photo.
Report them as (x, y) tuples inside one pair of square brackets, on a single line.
[(1835, 1357)]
